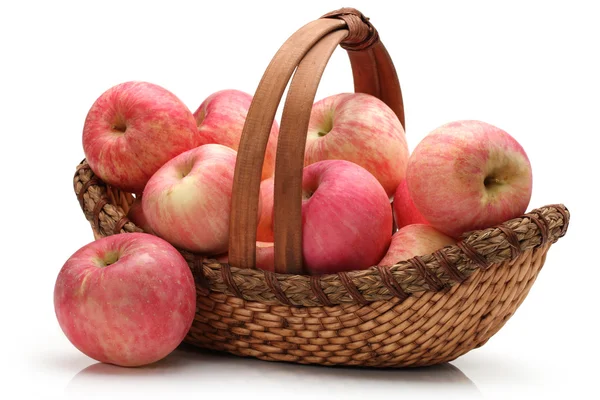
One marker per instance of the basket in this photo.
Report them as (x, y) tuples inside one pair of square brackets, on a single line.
[(427, 310)]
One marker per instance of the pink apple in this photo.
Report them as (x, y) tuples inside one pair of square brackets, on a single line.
[(132, 129), (221, 117), (405, 212), (264, 231), (136, 215), (265, 256), (469, 175), (187, 201), (127, 299), (346, 218), (360, 128), (414, 240)]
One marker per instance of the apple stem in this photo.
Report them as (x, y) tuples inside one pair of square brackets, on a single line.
[(307, 195), (491, 181), (119, 127), (110, 258), (327, 125)]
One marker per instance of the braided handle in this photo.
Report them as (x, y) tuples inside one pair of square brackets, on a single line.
[(306, 52)]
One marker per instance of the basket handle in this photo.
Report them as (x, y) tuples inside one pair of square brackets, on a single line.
[(306, 52)]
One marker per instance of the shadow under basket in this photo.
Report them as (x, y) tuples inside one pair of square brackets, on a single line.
[(427, 310)]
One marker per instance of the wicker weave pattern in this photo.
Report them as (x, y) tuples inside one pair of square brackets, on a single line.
[(426, 329)]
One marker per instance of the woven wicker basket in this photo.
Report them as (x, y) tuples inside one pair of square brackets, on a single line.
[(427, 310)]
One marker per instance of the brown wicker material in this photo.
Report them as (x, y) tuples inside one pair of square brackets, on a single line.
[(427, 310)]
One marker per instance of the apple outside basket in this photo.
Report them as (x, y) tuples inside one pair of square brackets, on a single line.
[(427, 310)]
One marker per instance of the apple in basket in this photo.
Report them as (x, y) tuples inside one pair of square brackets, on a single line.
[(265, 256), (360, 128), (346, 217), (469, 175), (221, 117), (132, 129), (126, 299), (414, 240), (264, 232), (405, 212), (136, 215), (187, 201)]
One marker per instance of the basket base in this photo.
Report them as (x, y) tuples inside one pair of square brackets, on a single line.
[(426, 329)]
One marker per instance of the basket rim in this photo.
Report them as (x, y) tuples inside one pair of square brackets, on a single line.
[(104, 205)]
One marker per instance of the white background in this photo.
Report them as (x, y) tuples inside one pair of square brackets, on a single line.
[(530, 68)]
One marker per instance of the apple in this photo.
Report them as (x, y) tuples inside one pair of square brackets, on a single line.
[(221, 117), (264, 231), (414, 240), (346, 218), (265, 256), (132, 129), (405, 212), (469, 175), (360, 128), (127, 299), (188, 200), (136, 215)]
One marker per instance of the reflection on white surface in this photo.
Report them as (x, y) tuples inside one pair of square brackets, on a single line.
[(190, 369)]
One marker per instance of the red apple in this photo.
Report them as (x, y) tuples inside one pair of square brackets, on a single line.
[(264, 231), (132, 129), (360, 128), (188, 200), (414, 240), (469, 175), (405, 212), (221, 117), (346, 218), (136, 215), (265, 256), (127, 299)]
